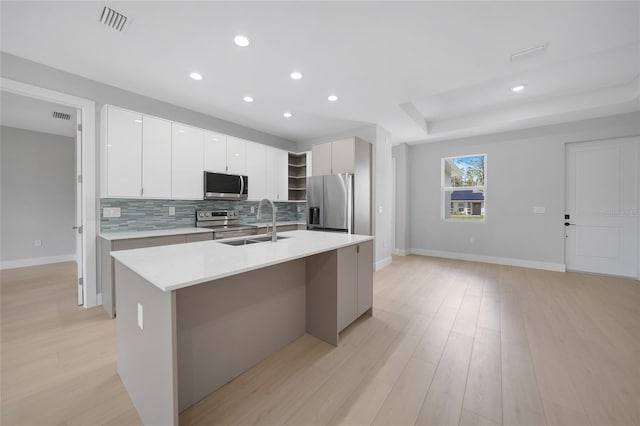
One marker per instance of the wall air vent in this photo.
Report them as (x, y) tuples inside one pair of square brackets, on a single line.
[(61, 115), (113, 19)]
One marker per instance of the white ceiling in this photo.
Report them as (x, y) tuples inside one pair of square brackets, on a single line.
[(423, 70), (27, 113)]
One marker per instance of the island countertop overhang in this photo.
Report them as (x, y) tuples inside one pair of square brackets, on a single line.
[(178, 266)]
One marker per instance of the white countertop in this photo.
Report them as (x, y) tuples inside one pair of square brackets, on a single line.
[(183, 265), (125, 235)]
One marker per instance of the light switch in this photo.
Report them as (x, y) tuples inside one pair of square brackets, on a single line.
[(539, 210), (172, 211), (140, 317), (37, 243)]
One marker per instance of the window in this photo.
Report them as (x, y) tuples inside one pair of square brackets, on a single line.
[(464, 186)]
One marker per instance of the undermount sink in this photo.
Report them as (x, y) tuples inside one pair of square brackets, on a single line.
[(251, 240)]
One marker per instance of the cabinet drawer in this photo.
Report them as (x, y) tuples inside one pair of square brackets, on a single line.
[(135, 243), (192, 238)]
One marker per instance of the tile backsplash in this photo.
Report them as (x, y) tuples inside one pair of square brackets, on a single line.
[(146, 215)]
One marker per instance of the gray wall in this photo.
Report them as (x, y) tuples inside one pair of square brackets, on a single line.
[(400, 153), (524, 169), (382, 187), (38, 194)]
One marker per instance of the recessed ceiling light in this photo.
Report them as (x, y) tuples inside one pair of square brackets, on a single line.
[(332, 98), (247, 99), (242, 41), (518, 88), (296, 75), (196, 76), (287, 115), (137, 120)]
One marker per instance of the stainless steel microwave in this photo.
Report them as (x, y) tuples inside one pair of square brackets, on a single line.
[(221, 186)]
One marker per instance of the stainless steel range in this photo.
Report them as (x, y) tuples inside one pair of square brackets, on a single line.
[(225, 223)]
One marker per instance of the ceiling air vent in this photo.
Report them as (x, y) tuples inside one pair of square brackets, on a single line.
[(61, 115), (113, 19)]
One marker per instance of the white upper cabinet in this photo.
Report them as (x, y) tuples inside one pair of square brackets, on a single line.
[(186, 162), (215, 152), (224, 154), (123, 144), (321, 156), (277, 169), (156, 157), (332, 158), (343, 155), (236, 156), (149, 157), (256, 170)]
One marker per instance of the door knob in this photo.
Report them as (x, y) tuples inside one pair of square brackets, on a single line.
[(569, 224)]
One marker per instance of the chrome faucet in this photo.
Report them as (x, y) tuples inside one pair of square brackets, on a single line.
[(274, 235)]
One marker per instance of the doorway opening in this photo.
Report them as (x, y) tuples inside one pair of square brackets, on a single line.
[(76, 241), (41, 194)]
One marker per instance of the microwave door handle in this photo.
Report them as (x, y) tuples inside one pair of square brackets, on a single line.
[(241, 185)]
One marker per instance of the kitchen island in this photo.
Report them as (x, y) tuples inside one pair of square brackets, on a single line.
[(191, 317)]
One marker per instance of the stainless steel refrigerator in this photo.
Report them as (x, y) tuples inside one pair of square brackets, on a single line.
[(339, 203), (330, 203)]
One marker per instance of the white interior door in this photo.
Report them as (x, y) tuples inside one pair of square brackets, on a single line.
[(602, 207), (78, 221)]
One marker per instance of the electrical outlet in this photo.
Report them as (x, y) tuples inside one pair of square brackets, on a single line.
[(111, 212), (37, 243), (472, 240), (379, 209), (140, 316), (253, 209), (172, 211)]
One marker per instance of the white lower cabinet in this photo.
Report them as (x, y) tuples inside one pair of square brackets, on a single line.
[(186, 162), (355, 277)]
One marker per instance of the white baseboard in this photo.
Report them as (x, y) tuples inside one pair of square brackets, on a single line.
[(399, 252), (10, 264), (548, 266), (34, 261), (382, 263)]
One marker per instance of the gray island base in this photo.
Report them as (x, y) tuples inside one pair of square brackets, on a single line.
[(176, 347)]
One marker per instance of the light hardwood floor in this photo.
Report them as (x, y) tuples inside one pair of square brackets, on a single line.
[(450, 343)]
